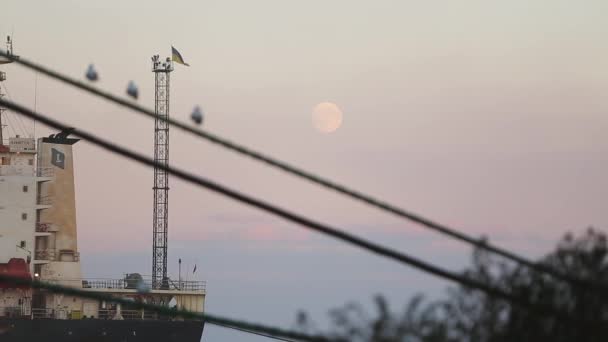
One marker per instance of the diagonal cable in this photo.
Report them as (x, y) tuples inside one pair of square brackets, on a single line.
[(253, 332), (21, 124), (10, 124), (385, 206), (292, 217)]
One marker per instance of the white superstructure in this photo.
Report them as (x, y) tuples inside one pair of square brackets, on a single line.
[(38, 234), (19, 200), (20, 209)]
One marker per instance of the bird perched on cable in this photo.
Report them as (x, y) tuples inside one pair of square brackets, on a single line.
[(197, 115), (132, 90), (91, 73)]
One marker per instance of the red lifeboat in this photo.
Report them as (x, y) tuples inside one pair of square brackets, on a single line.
[(17, 268)]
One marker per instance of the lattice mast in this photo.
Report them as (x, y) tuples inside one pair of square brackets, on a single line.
[(160, 221)]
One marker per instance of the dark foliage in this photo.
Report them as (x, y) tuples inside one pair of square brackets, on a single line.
[(468, 315)]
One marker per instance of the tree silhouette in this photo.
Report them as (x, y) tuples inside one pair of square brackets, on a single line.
[(469, 315)]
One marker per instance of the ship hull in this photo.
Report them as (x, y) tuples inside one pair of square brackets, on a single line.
[(94, 330)]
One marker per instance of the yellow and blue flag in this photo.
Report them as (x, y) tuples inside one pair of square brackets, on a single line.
[(177, 57)]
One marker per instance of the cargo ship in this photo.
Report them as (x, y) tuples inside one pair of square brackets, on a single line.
[(38, 240)]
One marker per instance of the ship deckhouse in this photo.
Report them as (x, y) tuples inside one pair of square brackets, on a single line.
[(38, 239)]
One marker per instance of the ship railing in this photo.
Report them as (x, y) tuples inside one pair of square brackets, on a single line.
[(127, 314), (44, 254), (14, 311), (42, 313), (107, 314), (43, 227), (104, 283), (47, 313), (188, 285), (132, 314), (150, 315), (126, 283), (45, 171), (45, 200), (170, 284)]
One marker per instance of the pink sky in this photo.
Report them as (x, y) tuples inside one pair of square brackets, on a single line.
[(489, 117)]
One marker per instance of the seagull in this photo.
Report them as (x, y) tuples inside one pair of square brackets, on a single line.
[(132, 90), (197, 115), (91, 73)]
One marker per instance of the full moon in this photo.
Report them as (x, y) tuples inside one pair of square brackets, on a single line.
[(326, 117)]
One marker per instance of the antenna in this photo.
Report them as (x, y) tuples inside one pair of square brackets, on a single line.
[(35, 100), (9, 48), (2, 109), (9, 45), (160, 219)]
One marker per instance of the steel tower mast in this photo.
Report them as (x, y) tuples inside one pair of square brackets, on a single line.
[(160, 220)]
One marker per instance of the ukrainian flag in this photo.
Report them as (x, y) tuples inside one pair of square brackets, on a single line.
[(177, 57)]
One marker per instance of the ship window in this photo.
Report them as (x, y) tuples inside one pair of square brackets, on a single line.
[(22, 244), (5, 161), (24, 216), (30, 161), (25, 188)]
